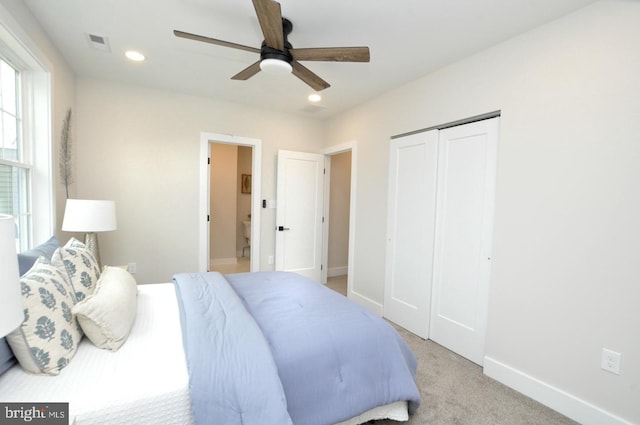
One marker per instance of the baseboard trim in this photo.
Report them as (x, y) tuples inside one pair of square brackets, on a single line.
[(368, 303), (222, 261), (569, 405), (337, 271)]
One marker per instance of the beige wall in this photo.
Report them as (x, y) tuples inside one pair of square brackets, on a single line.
[(228, 205), (140, 147), (223, 203), (340, 196), (565, 280), (244, 199)]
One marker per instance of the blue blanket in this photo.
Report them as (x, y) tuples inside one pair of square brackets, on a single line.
[(232, 375), (322, 358)]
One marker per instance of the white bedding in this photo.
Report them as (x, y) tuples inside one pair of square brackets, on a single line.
[(144, 382), (396, 411)]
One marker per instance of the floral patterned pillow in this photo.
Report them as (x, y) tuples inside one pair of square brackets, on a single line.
[(49, 336), (81, 266)]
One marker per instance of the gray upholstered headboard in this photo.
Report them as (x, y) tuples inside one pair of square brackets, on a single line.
[(25, 261)]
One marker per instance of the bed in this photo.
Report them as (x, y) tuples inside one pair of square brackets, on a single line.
[(251, 348), (131, 385), (302, 353)]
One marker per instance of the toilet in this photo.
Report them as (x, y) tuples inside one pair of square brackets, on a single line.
[(246, 230)]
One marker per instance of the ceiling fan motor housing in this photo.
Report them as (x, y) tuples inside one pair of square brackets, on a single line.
[(267, 52)]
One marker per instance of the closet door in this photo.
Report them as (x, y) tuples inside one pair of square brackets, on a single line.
[(464, 223), (410, 230)]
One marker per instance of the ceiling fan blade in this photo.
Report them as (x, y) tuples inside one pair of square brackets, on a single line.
[(337, 54), (248, 72), (209, 40), (308, 77), (270, 18)]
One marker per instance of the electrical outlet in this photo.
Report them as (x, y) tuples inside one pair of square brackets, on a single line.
[(133, 268), (610, 361)]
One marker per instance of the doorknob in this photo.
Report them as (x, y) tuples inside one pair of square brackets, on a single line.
[(282, 228)]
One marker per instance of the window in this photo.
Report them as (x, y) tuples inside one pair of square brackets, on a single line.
[(26, 190), (14, 172)]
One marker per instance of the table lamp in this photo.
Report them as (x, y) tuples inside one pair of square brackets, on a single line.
[(90, 216), (11, 310)]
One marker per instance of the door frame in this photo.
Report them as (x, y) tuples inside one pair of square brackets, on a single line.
[(334, 150), (204, 191)]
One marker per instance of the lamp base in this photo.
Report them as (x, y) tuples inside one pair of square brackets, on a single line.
[(91, 241)]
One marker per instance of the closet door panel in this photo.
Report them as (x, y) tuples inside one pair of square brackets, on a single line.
[(410, 230), (464, 221), (460, 241)]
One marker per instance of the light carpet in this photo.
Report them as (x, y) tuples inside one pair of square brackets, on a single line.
[(454, 391)]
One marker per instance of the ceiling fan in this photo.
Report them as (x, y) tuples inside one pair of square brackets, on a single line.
[(276, 51)]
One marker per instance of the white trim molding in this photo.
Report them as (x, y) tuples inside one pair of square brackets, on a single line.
[(338, 271), (203, 207), (561, 401), (371, 305), (351, 293), (223, 261)]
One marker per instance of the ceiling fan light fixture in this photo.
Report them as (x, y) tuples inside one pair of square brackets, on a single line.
[(275, 66)]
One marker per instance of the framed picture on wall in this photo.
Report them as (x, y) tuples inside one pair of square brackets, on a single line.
[(245, 184)]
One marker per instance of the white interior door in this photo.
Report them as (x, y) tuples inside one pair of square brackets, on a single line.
[(464, 223), (300, 197), (410, 231)]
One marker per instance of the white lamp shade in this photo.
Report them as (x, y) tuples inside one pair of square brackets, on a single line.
[(11, 309), (87, 215)]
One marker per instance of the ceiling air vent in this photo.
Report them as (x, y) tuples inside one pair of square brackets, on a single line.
[(99, 42)]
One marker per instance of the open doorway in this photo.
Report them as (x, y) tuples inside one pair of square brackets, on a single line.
[(204, 212), (339, 213), (230, 208), (298, 249), (339, 240)]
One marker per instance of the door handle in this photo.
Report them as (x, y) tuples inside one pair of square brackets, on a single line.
[(282, 228)]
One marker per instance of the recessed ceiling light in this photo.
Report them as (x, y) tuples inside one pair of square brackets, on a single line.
[(314, 98), (134, 55)]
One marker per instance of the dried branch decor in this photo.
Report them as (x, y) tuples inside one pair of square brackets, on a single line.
[(66, 175)]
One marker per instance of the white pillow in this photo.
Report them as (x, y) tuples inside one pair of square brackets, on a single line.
[(49, 336), (107, 315)]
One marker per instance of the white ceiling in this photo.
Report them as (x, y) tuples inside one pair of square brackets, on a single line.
[(407, 40)]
